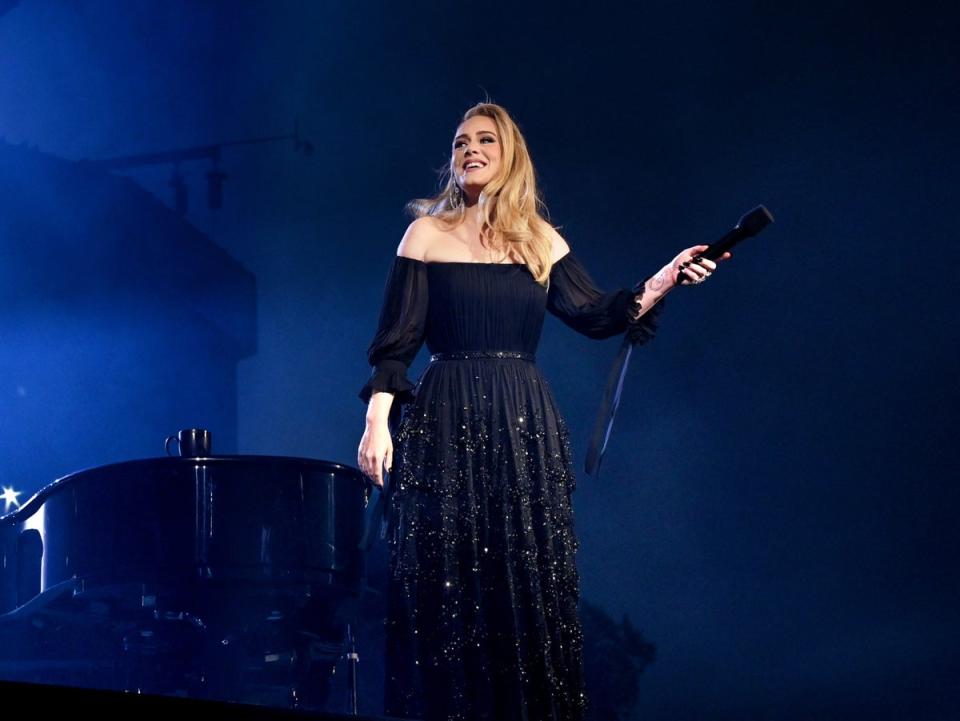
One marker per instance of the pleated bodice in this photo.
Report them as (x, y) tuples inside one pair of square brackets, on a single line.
[(483, 307)]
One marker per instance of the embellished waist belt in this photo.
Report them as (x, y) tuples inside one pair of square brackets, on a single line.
[(476, 354)]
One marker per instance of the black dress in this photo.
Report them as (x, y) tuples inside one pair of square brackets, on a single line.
[(482, 599)]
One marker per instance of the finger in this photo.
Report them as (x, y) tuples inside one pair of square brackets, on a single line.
[(707, 263), (698, 271), (369, 464), (388, 460)]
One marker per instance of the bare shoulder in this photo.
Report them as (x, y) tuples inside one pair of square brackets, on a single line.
[(418, 238), (559, 246)]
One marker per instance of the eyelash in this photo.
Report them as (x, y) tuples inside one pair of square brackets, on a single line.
[(460, 143)]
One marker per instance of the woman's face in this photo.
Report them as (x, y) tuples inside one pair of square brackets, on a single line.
[(476, 153)]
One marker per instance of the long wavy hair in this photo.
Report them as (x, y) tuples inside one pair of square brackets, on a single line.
[(511, 209)]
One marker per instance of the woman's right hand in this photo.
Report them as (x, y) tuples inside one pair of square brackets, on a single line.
[(689, 268), (376, 451)]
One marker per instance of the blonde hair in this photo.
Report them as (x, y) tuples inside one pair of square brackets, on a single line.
[(510, 206)]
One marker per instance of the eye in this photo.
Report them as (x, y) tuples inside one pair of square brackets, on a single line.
[(459, 144), (488, 139)]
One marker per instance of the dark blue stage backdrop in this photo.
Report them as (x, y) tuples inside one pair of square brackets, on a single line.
[(777, 509)]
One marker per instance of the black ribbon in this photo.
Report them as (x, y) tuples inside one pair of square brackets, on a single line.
[(608, 408)]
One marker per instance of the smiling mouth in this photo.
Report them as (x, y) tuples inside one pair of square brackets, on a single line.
[(473, 166)]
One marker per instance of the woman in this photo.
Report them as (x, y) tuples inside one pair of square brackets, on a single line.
[(483, 591)]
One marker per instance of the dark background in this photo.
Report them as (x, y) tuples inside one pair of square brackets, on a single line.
[(777, 509)]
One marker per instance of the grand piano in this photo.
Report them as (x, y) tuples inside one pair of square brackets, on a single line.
[(229, 578)]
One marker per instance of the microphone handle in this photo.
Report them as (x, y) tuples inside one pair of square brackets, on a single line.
[(716, 250)]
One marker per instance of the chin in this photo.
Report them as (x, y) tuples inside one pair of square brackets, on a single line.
[(477, 184)]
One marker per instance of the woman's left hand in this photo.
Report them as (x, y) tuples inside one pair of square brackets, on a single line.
[(688, 268)]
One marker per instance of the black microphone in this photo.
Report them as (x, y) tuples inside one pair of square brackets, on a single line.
[(748, 226)]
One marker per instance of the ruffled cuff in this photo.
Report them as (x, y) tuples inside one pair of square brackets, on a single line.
[(644, 328), (389, 376)]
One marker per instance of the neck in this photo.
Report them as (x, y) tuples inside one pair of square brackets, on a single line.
[(471, 213), (472, 220)]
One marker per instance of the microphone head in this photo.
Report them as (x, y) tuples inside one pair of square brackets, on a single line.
[(755, 221)]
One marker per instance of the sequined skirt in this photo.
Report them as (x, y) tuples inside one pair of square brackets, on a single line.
[(482, 601)]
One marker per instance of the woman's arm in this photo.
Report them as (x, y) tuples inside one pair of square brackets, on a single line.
[(399, 336), (655, 288)]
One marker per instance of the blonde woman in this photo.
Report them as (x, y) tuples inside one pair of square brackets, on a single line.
[(482, 600)]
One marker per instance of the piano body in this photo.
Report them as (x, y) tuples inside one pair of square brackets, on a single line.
[(229, 578)]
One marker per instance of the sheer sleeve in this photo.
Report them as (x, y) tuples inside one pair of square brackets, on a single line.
[(574, 299), (400, 332)]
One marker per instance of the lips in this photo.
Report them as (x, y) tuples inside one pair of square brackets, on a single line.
[(473, 165)]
